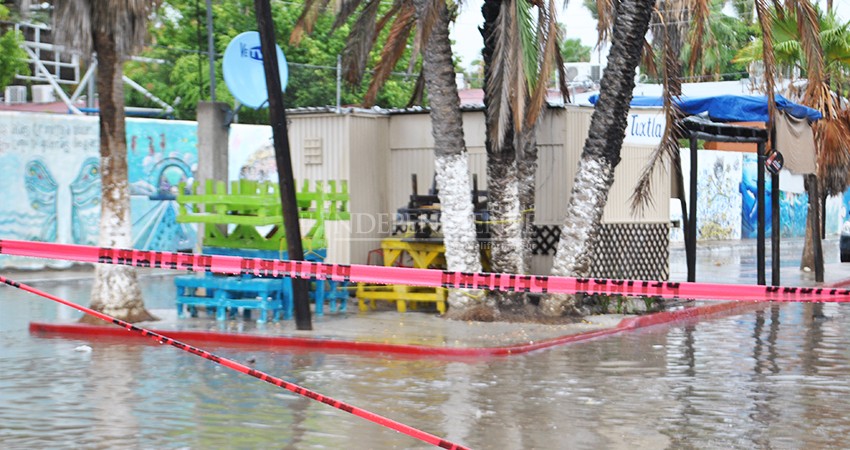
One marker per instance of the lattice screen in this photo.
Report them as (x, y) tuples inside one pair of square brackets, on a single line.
[(636, 251)]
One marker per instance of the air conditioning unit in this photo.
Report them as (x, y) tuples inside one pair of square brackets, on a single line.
[(595, 73), (15, 95), (43, 93)]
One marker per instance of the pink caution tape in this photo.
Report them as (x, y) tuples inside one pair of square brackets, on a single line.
[(419, 277)]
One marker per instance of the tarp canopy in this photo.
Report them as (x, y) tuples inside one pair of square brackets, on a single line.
[(729, 108)]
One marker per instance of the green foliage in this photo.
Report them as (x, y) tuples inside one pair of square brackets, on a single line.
[(724, 37), (834, 40), (572, 50), (180, 39), (12, 58)]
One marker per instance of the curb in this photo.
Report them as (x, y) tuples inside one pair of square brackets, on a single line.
[(332, 345)]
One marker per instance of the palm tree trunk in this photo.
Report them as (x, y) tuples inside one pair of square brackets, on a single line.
[(527, 169), (503, 188), (601, 150), (451, 158), (116, 290)]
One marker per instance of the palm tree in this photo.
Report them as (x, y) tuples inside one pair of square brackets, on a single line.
[(430, 21), (802, 38), (601, 152), (112, 30), (519, 57)]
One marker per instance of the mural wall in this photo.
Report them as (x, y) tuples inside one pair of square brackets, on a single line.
[(51, 181), (726, 199)]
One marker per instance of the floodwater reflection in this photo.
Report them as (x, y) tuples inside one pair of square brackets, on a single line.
[(771, 378)]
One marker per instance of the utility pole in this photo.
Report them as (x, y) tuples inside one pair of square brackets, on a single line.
[(211, 49), (277, 115)]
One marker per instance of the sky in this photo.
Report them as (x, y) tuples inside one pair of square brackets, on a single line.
[(579, 23)]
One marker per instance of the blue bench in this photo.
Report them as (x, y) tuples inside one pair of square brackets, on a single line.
[(271, 296)]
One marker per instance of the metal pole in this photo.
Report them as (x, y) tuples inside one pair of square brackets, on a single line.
[(283, 158), (691, 235), (760, 204), (338, 83), (211, 49), (774, 229), (774, 218)]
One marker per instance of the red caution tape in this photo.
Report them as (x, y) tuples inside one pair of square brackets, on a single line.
[(279, 382), (420, 277)]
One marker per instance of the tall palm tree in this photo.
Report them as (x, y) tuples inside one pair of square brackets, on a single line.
[(430, 21), (815, 43), (601, 152), (519, 56), (113, 30)]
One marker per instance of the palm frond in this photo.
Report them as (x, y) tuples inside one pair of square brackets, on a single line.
[(701, 10), (418, 93), (392, 52), (648, 58), (548, 30), (307, 20), (668, 149), (562, 74), (518, 83), (498, 86), (832, 137), (766, 23), (72, 25), (808, 28), (345, 9), (607, 12), (355, 55)]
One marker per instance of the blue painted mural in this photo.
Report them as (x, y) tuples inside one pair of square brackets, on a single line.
[(52, 182)]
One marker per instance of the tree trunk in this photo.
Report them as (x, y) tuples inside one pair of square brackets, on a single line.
[(503, 189), (601, 152), (527, 168), (450, 156), (116, 290)]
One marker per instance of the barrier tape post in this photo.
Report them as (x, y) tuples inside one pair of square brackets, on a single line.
[(420, 277), (279, 382)]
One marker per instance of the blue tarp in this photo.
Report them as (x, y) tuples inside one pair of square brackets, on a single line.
[(730, 108)]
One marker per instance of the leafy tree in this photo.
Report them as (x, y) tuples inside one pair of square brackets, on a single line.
[(180, 41), (572, 50), (12, 57)]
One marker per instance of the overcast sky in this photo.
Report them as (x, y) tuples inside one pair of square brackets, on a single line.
[(577, 18)]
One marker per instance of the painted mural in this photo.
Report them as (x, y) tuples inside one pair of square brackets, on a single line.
[(251, 153), (726, 203), (160, 155), (52, 184)]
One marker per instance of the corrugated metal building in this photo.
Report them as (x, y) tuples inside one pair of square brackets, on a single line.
[(378, 151)]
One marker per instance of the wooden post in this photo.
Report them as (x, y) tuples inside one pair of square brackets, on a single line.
[(277, 115)]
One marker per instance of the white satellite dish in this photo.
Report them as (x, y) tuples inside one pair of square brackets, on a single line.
[(571, 73), (243, 70)]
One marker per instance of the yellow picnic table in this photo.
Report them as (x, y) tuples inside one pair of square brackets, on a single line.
[(401, 251)]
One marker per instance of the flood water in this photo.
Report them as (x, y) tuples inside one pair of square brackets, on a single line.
[(771, 378)]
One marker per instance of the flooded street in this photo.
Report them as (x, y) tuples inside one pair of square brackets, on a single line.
[(775, 377)]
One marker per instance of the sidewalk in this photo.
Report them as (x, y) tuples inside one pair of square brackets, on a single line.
[(419, 333)]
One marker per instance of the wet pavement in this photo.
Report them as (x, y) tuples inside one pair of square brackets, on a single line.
[(758, 376)]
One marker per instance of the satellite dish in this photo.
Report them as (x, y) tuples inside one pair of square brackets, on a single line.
[(571, 73), (243, 70)]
